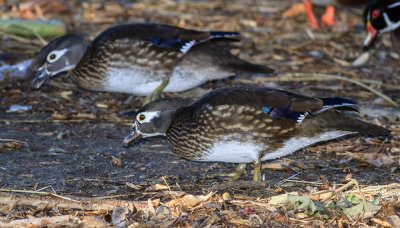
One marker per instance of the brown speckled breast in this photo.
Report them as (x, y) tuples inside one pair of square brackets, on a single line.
[(191, 137)]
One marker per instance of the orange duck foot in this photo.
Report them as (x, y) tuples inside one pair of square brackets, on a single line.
[(312, 21), (329, 16)]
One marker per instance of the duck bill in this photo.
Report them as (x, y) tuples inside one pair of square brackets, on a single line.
[(134, 136), (41, 77), (372, 34)]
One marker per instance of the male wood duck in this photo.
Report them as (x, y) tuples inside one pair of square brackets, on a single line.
[(247, 124), (138, 58), (382, 16)]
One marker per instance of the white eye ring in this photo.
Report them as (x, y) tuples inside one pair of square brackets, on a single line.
[(141, 117), (55, 55)]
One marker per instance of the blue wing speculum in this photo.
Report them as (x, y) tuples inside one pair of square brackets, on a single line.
[(328, 103), (185, 45)]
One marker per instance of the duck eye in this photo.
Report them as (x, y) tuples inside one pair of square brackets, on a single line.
[(141, 117), (375, 13), (52, 57)]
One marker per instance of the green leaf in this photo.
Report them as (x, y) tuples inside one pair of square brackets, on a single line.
[(353, 199), (299, 203), (331, 205), (364, 209), (308, 205), (343, 203), (279, 200)]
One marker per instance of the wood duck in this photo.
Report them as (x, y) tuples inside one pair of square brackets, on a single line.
[(139, 58), (382, 16), (245, 124)]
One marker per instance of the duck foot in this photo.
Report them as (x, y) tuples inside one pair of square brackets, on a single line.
[(329, 16), (240, 171)]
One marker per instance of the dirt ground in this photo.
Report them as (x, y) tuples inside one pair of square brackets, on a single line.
[(70, 141)]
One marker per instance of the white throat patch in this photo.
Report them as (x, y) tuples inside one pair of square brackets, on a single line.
[(394, 5), (390, 24), (66, 68)]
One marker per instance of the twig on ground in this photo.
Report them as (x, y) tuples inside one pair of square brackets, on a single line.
[(115, 196), (38, 222), (66, 121), (341, 189), (169, 188), (287, 179), (239, 184), (12, 140), (84, 204), (38, 193), (253, 203), (15, 37), (316, 183)]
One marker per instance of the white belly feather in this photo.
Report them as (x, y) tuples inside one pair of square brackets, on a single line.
[(233, 151), (143, 83), (239, 152), (295, 144)]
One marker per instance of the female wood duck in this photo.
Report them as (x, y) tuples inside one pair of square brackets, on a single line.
[(138, 58), (382, 16), (247, 124)]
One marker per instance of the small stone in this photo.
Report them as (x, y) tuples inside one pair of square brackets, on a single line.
[(19, 108), (116, 162)]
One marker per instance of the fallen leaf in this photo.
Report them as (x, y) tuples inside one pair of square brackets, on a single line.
[(381, 222), (347, 178), (363, 209), (361, 60), (57, 116), (94, 221), (226, 196), (150, 206), (342, 62), (85, 116), (382, 161), (300, 203), (163, 213), (66, 94), (98, 212), (295, 10), (352, 199), (134, 186), (279, 165), (119, 216), (188, 200), (394, 220), (160, 187)]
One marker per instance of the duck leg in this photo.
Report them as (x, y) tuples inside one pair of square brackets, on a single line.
[(156, 93), (257, 170), (312, 21), (240, 171)]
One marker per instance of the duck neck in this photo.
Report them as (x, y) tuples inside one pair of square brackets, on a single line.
[(396, 40)]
